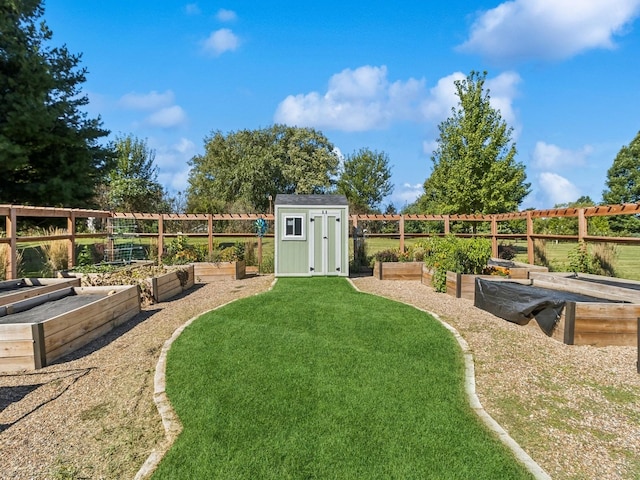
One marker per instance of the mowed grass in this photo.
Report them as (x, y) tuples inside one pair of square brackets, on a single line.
[(315, 380)]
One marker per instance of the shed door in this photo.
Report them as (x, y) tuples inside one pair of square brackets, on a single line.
[(325, 253)]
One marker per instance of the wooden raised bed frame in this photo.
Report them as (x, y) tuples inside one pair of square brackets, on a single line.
[(35, 287), (172, 283), (594, 323), (398, 270), (28, 346), (205, 272)]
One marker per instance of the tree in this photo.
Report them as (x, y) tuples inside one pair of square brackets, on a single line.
[(623, 186), (365, 180), (132, 185), (239, 171), (48, 145), (474, 167)]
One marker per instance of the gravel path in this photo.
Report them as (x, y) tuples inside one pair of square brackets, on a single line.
[(575, 410)]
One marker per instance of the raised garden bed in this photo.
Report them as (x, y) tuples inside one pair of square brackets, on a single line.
[(172, 283), (573, 317), (15, 290), (205, 272), (157, 283), (613, 288), (36, 331), (463, 285), (398, 270)]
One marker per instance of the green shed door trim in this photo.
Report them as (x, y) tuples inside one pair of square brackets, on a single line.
[(325, 242)]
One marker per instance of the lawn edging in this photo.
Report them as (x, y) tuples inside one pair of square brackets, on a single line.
[(470, 388), (170, 421)]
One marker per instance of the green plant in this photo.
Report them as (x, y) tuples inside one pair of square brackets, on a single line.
[(268, 264), (452, 254), (599, 261), (540, 252), (389, 255), (85, 256)]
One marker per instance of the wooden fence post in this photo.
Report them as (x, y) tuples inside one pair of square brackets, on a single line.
[(446, 225), (210, 231), (160, 237), (494, 237), (582, 225), (530, 252), (401, 233), (12, 233), (71, 231)]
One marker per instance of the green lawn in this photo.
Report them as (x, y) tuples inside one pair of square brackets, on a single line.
[(316, 380)]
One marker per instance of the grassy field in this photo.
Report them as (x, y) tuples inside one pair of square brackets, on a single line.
[(316, 380)]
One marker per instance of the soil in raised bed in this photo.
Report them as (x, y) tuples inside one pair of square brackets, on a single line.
[(47, 310)]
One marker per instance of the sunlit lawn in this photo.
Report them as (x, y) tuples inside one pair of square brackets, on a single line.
[(316, 380)]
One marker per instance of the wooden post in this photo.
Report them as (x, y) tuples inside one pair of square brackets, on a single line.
[(494, 236), (160, 237), (210, 232), (530, 252), (259, 253), (447, 229), (401, 233), (71, 230), (582, 225), (12, 233)]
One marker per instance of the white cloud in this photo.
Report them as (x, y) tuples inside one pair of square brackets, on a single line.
[(429, 146), (173, 162), (548, 29), (407, 194), (364, 99), (225, 15), (551, 157), (557, 189), (146, 101), (220, 41), (168, 117)]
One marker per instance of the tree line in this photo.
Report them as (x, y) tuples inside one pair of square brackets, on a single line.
[(53, 153)]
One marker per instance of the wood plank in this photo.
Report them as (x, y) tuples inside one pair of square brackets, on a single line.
[(16, 364), (167, 294), (604, 340), (34, 291), (16, 348), (606, 311), (15, 331), (605, 325), (78, 324)]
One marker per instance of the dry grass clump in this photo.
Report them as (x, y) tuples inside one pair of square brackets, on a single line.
[(56, 252), (5, 253)]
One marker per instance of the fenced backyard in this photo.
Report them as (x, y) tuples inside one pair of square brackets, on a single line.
[(151, 233)]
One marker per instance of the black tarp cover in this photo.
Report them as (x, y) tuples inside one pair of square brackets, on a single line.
[(520, 303)]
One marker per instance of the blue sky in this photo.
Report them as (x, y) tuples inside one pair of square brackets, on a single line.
[(374, 74)]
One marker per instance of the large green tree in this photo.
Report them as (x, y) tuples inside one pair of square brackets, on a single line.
[(132, 185), (240, 170), (623, 186), (49, 148), (474, 166), (365, 180)]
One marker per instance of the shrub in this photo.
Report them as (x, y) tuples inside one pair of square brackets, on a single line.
[(452, 254), (507, 251), (600, 261), (389, 255)]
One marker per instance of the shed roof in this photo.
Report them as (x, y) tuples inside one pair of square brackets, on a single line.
[(310, 200)]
